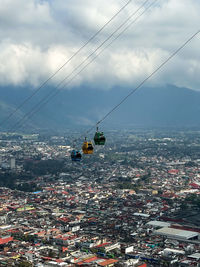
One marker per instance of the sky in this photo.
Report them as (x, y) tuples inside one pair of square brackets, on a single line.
[(39, 36)]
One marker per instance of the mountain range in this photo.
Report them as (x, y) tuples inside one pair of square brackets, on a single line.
[(168, 106)]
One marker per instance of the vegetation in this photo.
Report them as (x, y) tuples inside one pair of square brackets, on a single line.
[(192, 199), (24, 181), (10, 180), (43, 167), (24, 264)]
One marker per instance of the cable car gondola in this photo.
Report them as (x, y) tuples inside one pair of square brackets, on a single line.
[(87, 147), (99, 138), (76, 155)]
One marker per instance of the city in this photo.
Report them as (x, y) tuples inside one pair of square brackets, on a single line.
[(127, 194), (134, 202)]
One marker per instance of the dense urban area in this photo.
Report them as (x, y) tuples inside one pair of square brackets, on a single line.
[(134, 202)]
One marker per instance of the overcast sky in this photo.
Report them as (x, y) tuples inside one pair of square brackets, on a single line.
[(38, 36)]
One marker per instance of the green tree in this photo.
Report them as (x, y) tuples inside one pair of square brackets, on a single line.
[(25, 264)]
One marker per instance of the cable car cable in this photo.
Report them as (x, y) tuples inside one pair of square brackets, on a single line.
[(145, 80), (54, 74), (56, 90), (116, 37), (37, 107)]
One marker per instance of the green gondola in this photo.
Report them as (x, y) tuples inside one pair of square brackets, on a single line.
[(99, 138)]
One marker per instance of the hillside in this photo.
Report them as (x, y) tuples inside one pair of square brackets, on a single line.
[(149, 107)]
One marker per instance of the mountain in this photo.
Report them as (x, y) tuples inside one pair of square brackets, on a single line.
[(169, 106)]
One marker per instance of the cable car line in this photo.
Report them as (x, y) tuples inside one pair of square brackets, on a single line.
[(61, 67), (99, 138), (172, 55), (37, 107), (145, 80), (57, 89)]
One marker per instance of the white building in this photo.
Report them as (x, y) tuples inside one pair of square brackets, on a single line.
[(12, 163), (158, 224), (177, 233)]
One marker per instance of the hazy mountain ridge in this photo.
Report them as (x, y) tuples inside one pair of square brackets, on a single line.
[(165, 107)]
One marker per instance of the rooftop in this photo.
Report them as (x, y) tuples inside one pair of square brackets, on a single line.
[(171, 232)]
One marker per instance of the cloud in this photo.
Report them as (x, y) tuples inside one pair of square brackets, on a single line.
[(37, 37)]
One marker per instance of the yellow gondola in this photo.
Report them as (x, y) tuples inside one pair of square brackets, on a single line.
[(87, 147)]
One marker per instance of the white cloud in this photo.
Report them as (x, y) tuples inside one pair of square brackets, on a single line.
[(39, 36)]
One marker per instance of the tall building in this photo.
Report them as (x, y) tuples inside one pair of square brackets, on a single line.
[(12, 163)]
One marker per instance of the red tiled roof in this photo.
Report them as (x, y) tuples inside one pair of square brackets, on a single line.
[(64, 219), (87, 260), (195, 185), (46, 258), (59, 260), (13, 231), (174, 171), (5, 240), (103, 245), (40, 233), (107, 262), (64, 249), (91, 259)]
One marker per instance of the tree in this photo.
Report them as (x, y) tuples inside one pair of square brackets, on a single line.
[(25, 264)]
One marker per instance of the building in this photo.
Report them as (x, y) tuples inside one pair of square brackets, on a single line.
[(12, 163), (177, 234)]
